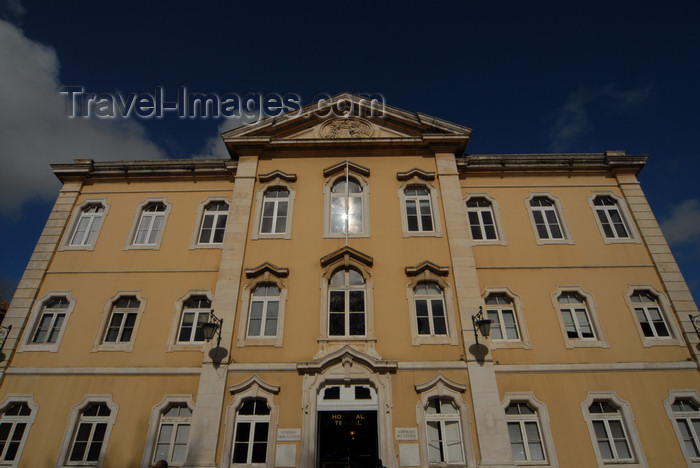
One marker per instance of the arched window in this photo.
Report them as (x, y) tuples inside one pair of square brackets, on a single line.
[(213, 225), (15, 420), (610, 218), (482, 222), (274, 211), (88, 225), (419, 212), (173, 431), (500, 309), (577, 320), (150, 224), (346, 207), (346, 303), (264, 311), (251, 433), (195, 313), (443, 432), (610, 432), (430, 309), (651, 317), (89, 436), (524, 432)]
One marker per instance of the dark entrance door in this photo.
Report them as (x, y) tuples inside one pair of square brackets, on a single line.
[(347, 439)]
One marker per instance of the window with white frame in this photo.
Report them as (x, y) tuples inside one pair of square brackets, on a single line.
[(275, 209), (443, 432), (50, 323), (576, 317), (500, 309), (524, 431), (88, 225), (264, 311), (16, 419), (482, 222), (173, 431), (650, 315), (213, 225), (610, 217), (151, 223), (419, 211), (195, 313), (610, 432), (346, 303), (47, 322), (430, 309), (683, 409), (347, 202), (89, 436), (250, 438), (546, 218), (122, 320)]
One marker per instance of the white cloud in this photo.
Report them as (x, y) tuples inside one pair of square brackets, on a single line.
[(573, 119), (683, 225), (214, 147), (34, 128)]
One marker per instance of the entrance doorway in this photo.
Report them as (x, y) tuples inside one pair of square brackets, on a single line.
[(347, 432)]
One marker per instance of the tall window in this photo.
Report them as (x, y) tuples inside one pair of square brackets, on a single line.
[(251, 433), (610, 218), (499, 308), (264, 311), (89, 436), (173, 431), (443, 432), (122, 320), (650, 315), (88, 225), (50, 324), (687, 417), (577, 320), (419, 213), (14, 427), (481, 219), (430, 309), (346, 303), (195, 313), (150, 224), (610, 432), (214, 223), (546, 218), (524, 432), (274, 211), (346, 207)]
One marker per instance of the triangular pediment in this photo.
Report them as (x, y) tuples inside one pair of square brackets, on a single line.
[(349, 120)]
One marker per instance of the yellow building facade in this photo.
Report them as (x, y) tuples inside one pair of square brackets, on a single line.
[(341, 263)]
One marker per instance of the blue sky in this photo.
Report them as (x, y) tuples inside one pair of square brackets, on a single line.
[(525, 76)]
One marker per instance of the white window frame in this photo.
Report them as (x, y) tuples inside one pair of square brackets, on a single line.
[(72, 427), (173, 343), (518, 309), (495, 214), (693, 395), (627, 418), (76, 216), (35, 318), (624, 213), (154, 424), (442, 387), (432, 198), (417, 339), (335, 174), (10, 400), (246, 301), (558, 209), (201, 213), (252, 388), (136, 222), (275, 179), (541, 416), (368, 338), (99, 344), (268, 277), (599, 340), (664, 307)]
